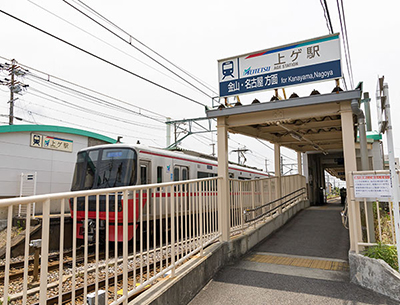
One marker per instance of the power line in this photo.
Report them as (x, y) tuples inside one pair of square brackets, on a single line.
[(92, 99), (109, 44), (91, 111), (86, 127), (345, 41), (49, 76), (87, 89), (130, 43), (103, 59), (141, 51), (327, 16), (274, 150)]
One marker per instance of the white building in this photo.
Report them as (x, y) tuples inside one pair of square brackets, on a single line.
[(48, 151)]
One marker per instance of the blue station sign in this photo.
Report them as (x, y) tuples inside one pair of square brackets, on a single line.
[(313, 60)]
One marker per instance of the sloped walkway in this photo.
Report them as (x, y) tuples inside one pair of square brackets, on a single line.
[(305, 262)]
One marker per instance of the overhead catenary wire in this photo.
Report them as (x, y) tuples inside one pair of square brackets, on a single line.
[(141, 43), (103, 59)]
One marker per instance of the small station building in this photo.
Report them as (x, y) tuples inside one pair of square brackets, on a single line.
[(40, 159)]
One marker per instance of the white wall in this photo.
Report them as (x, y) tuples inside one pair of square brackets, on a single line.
[(54, 168)]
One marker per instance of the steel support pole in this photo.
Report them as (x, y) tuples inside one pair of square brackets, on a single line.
[(223, 184), (278, 172)]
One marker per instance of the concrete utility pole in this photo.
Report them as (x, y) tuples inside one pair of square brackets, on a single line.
[(393, 174), (11, 117), (13, 84)]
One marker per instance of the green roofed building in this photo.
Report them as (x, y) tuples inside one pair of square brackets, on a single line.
[(39, 159)]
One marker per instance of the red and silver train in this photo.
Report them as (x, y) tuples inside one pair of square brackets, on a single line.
[(118, 165)]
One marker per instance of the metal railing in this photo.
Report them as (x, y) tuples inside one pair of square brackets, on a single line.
[(372, 218), (159, 226), (273, 207), (256, 200)]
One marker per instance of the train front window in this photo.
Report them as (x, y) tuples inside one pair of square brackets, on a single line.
[(104, 168), (85, 170), (116, 168)]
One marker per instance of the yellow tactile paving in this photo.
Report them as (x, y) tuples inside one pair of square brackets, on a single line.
[(298, 262)]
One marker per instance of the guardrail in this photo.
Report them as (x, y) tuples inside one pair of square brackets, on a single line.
[(261, 198), (159, 226)]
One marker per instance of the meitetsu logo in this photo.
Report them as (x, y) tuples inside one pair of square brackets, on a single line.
[(249, 71)]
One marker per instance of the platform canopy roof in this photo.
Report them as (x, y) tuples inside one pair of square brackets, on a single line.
[(304, 124)]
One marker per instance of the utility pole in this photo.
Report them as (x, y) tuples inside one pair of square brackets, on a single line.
[(394, 180), (241, 152), (11, 117), (13, 84)]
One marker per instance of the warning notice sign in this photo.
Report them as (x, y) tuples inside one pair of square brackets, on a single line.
[(372, 186)]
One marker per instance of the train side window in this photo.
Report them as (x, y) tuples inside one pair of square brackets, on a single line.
[(143, 174), (184, 173), (159, 174), (176, 174)]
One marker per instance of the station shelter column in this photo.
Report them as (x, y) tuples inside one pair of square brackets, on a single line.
[(350, 165), (278, 172), (223, 184), (299, 164)]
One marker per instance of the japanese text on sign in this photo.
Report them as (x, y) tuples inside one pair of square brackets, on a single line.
[(303, 62), (41, 141), (372, 186)]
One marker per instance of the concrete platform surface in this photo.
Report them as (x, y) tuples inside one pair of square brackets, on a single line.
[(305, 262)]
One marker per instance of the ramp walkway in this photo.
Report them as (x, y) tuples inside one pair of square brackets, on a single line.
[(305, 262)]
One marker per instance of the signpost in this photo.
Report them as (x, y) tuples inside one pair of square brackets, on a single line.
[(307, 61)]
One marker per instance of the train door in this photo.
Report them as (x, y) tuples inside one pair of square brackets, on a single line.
[(181, 173), (145, 172)]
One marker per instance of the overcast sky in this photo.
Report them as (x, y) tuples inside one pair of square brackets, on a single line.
[(192, 35)]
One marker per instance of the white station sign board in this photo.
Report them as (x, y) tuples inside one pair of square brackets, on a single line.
[(307, 61), (47, 142), (375, 186)]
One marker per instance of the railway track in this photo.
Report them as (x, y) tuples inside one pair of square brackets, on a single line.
[(16, 268), (79, 292), (144, 266)]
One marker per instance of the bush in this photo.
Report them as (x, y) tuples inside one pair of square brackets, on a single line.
[(384, 252)]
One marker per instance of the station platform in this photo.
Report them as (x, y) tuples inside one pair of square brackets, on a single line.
[(304, 262)]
